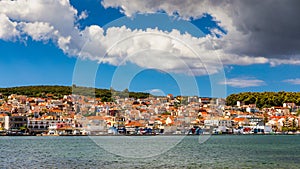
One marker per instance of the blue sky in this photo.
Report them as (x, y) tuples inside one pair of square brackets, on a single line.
[(46, 57)]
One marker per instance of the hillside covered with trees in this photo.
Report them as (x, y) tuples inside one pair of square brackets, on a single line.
[(264, 99), (59, 91), (261, 99)]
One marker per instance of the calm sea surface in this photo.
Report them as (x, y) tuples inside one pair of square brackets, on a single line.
[(245, 151)]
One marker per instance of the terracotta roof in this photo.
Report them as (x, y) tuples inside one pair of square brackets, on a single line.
[(66, 128), (96, 118), (204, 113), (239, 119), (55, 111), (134, 124), (276, 117)]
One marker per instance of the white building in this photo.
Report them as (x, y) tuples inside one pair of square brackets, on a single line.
[(211, 122)]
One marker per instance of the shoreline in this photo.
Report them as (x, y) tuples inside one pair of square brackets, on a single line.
[(158, 135)]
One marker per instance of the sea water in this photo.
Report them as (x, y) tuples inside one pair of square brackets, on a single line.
[(224, 151)]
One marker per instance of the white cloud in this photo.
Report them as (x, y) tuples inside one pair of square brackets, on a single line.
[(185, 9), (293, 81), (59, 13), (83, 15), (8, 28), (39, 31), (291, 61), (151, 48), (254, 28), (63, 43), (44, 20), (243, 82)]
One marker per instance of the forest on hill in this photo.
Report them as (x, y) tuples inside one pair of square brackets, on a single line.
[(264, 99), (58, 92), (261, 99)]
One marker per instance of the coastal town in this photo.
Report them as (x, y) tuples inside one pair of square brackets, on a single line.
[(161, 115)]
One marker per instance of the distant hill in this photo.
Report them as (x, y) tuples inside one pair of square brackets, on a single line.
[(264, 99), (261, 99), (59, 91)]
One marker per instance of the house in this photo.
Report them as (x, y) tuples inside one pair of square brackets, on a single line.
[(289, 105), (251, 109), (59, 127), (204, 100), (193, 99), (240, 121), (169, 121), (256, 121), (211, 122), (37, 125), (225, 122), (15, 122), (2, 121), (132, 127), (95, 125), (281, 110)]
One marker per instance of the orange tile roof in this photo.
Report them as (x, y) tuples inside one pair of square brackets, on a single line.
[(134, 124), (96, 118), (239, 119), (55, 111), (276, 117), (204, 113), (65, 128)]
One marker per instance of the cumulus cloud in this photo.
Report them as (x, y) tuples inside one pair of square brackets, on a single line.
[(293, 81), (292, 61), (243, 82), (43, 20), (8, 28), (151, 48), (268, 28), (59, 13), (39, 31)]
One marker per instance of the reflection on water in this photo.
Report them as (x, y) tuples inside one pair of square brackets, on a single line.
[(218, 152)]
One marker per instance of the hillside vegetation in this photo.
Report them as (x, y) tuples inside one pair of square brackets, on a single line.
[(261, 99), (59, 91), (264, 99)]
